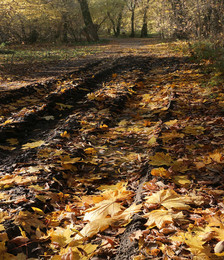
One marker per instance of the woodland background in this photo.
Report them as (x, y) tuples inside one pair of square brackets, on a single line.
[(63, 21)]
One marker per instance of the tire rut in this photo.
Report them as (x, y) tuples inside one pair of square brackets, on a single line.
[(106, 105)]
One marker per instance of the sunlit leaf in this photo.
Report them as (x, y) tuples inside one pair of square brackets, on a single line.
[(161, 217), (33, 145), (161, 172), (102, 210), (94, 227), (169, 199)]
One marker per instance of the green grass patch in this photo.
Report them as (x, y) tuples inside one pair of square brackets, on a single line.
[(32, 54)]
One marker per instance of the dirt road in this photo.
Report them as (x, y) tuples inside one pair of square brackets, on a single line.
[(82, 156)]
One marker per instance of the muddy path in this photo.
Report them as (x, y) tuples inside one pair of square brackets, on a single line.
[(31, 112), (80, 155)]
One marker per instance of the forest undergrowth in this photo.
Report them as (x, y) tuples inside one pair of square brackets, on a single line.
[(121, 159)]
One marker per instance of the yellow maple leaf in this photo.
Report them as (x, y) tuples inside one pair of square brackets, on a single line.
[(61, 236), (194, 239), (217, 157), (160, 159), (32, 145), (129, 212), (102, 210), (161, 217), (101, 223), (160, 172), (118, 191), (9, 180), (94, 227), (169, 199), (216, 223)]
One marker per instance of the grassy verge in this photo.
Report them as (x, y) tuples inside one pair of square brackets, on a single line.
[(38, 53), (19, 59), (211, 55)]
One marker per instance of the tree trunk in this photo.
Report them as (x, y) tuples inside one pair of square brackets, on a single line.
[(113, 23), (144, 31), (132, 7), (90, 28), (132, 23), (118, 29)]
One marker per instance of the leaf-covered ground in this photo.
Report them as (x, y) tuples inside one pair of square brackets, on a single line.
[(121, 159)]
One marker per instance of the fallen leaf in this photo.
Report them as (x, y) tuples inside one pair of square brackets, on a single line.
[(33, 145), (171, 122), (94, 227), (27, 220), (7, 148), (195, 243), (61, 236), (152, 141), (169, 199), (12, 141), (102, 210), (160, 159), (129, 212), (194, 130), (161, 217), (167, 137), (181, 180), (216, 157), (90, 151), (161, 172)]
